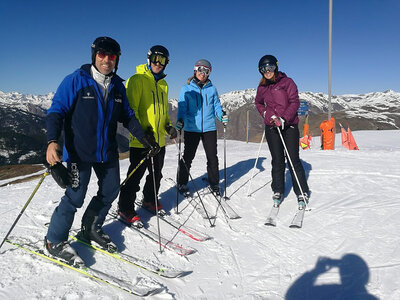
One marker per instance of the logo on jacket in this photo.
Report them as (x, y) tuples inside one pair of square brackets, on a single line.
[(118, 98), (88, 96)]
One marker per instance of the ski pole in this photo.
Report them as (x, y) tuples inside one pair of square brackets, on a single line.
[(47, 172), (133, 171), (255, 163), (225, 197), (291, 164), (177, 173), (194, 186), (156, 201)]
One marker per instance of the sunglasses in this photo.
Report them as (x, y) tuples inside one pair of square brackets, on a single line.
[(265, 69), (206, 71), (156, 58), (102, 55)]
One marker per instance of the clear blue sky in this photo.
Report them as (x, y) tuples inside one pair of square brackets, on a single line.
[(43, 41)]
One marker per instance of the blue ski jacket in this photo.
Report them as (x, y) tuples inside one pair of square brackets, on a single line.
[(198, 107), (88, 119)]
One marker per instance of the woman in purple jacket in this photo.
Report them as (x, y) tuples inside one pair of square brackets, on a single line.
[(277, 100)]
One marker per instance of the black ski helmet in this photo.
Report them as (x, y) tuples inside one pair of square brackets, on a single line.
[(267, 60), (160, 50), (106, 44)]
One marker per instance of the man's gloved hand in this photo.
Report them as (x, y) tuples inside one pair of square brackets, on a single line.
[(171, 131), (149, 142), (278, 121), (224, 118), (179, 124), (62, 176)]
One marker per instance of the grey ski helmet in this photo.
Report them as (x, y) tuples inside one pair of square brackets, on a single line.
[(268, 60), (106, 44), (158, 50), (202, 63)]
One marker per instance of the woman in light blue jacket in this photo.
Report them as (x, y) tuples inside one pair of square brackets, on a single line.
[(198, 107)]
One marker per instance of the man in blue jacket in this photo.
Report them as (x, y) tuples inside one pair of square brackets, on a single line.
[(88, 105)]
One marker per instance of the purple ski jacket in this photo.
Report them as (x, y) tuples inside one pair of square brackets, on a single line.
[(280, 98)]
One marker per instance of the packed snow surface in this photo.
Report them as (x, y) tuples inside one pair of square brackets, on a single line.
[(348, 247)]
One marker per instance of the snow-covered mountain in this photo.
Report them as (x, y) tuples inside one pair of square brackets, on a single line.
[(22, 133), (37, 104)]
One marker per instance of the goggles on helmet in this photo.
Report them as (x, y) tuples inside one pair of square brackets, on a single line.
[(102, 55), (267, 68), (201, 69), (157, 58)]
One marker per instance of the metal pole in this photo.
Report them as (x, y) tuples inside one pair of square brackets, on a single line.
[(247, 126), (133, 171), (291, 164), (25, 206), (156, 201), (194, 186), (330, 62), (225, 197), (177, 173), (255, 163)]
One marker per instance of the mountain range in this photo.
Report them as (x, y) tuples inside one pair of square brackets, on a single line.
[(23, 139)]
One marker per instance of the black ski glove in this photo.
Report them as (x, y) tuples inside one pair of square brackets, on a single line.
[(171, 131), (149, 141), (61, 174)]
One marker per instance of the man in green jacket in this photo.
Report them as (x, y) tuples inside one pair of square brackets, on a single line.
[(147, 93)]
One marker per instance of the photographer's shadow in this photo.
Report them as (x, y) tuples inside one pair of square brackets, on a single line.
[(354, 276)]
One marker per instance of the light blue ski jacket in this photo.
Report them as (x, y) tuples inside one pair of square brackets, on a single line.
[(198, 107)]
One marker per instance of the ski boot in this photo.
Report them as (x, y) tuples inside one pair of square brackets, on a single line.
[(131, 218), (277, 199), (65, 252), (215, 190), (92, 232), (184, 190), (150, 206), (302, 201)]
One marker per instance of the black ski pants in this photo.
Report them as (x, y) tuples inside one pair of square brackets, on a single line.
[(127, 196), (291, 137), (192, 140)]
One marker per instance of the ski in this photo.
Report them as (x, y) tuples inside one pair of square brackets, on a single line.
[(271, 220), (297, 221), (178, 249), (144, 286), (186, 230), (193, 201), (148, 265), (226, 208)]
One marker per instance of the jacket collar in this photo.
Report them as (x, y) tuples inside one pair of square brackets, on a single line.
[(85, 69)]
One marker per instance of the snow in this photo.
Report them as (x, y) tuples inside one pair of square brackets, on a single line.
[(348, 248)]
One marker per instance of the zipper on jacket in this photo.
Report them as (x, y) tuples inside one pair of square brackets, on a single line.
[(103, 104), (154, 102), (159, 113), (202, 118), (163, 106), (104, 124)]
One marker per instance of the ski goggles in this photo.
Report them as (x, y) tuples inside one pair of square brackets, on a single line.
[(102, 55), (267, 68), (201, 69), (157, 58)]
